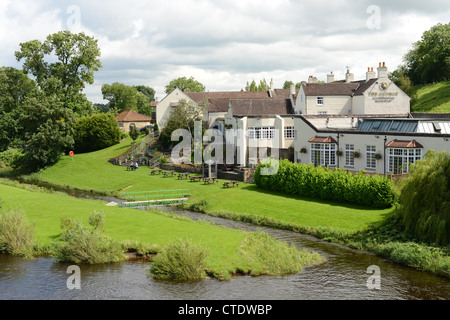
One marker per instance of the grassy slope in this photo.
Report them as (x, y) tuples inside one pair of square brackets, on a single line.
[(92, 171), (433, 98)]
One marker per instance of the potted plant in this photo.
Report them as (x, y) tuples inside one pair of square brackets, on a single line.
[(356, 154), (339, 153), (303, 150), (377, 156)]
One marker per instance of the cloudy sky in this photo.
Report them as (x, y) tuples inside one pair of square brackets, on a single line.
[(223, 44)]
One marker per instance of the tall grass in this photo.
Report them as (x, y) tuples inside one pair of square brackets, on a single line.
[(180, 261), (16, 233)]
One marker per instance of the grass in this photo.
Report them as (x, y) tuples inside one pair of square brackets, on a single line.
[(46, 210), (433, 98), (93, 172)]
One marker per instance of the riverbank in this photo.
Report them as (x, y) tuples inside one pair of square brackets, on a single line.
[(46, 209), (355, 226)]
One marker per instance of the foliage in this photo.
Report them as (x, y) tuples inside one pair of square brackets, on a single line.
[(433, 98), (96, 132), (183, 83), (200, 206), (97, 220), (122, 97), (16, 233), (263, 86), (46, 131), (275, 257), (425, 199), (181, 260), (429, 59), (134, 133), (77, 59), (8, 157), (325, 184), (400, 78), (80, 244)]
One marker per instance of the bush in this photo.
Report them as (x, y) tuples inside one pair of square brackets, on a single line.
[(16, 233), (96, 132), (425, 199), (181, 260), (325, 184), (200, 206), (97, 220), (8, 157), (80, 244)]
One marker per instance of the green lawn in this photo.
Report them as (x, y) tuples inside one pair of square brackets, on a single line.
[(433, 98), (92, 172)]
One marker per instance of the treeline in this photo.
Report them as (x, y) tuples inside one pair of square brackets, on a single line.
[(323, 183)]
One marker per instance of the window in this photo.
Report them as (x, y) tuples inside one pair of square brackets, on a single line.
[(257, 133), (399, 160), (349, 155), (323, 154), (289, 132), (320, 100), (322, 113), (371, 161)]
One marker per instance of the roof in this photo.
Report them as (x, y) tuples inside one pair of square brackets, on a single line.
[(249, 107), (318, 139), (403, 144), (275, 94), (338, 88), (132, 116), (389, 125)]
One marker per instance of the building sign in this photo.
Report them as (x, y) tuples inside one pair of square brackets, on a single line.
[(383, 97)]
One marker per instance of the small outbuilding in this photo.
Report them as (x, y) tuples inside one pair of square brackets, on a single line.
[(129, 118)]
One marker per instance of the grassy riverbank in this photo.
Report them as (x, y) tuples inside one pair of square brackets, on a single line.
[(46, 209)]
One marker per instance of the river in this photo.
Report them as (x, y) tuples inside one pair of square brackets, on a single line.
[(344, 276)]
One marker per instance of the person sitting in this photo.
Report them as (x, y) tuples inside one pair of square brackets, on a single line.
[(136, 166), (132, 166)]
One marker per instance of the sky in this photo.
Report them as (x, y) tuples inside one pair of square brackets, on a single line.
[(223, 44)]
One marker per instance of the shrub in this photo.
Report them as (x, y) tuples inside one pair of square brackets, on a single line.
[(96, 132), (8, 157), (81, 244), (97, 220), (325, 184), (200, 206), (181, 260), (16, 233), (425, 199)]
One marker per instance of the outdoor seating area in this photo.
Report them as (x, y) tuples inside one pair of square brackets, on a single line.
[(183, 175), (168, 173), (195, 178), (156, 171), (210, 180)]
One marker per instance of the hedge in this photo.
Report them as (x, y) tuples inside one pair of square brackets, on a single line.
[(326, 184)]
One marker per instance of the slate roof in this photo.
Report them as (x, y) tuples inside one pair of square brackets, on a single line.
[(252, 107), (132, 116), (354, 88)]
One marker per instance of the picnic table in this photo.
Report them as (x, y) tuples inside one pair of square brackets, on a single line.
[(195, 178), (183, 175), (210, 180), (156, 171), (230, 183), (168, 173)]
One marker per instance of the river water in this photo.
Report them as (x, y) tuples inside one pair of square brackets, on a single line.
[(344, 276)]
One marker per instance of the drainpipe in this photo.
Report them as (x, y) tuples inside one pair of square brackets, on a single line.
[(338, 162)]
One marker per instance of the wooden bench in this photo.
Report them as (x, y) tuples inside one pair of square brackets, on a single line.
[(156, 171), (230, 183), (210, 180), (195, 178), (183, 175)]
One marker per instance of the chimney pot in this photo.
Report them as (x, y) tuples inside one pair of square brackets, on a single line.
[(384, 64)]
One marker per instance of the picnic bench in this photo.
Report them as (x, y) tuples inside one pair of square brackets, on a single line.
[(168, 173), (230, 183), (156, 171), (210, 180), (183, 175), (195, 178)]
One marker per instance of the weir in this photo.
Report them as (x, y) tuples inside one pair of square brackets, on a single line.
[(154, 198)]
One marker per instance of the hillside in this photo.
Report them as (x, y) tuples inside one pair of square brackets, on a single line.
[(432, 98)]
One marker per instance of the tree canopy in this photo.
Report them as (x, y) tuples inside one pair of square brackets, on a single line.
[(184, 83), (122, 97), (429, 59)]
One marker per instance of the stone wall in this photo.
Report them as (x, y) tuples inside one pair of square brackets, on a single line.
[(181, 168)]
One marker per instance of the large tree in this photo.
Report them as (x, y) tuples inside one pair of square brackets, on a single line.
[(122, 97), (184, 83), (429, 59), (62, 65)]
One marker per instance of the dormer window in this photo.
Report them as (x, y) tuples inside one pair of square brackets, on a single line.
[(320, 100)]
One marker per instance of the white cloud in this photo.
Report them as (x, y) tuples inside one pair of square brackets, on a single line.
[(223, 43)]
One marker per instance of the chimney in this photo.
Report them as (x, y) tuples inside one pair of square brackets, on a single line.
[(293, 89), (370, 74), (312, 79), (382, 71), (349, 77), (330, 77)]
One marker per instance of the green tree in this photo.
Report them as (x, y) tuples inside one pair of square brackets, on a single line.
[(183, 83), (62, 65), (122, 97), (287, 84), (46, 132), (96, 132), (425, 199), (251, 86), (400, 78), (134, 133), (263, 86), (428, 60)]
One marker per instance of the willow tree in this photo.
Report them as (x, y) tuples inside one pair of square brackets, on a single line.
[(425, 199)]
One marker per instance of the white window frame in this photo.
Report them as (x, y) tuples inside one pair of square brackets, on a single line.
[(289, 132), (350, 155), (408, 156), (320, 101), (260, 133), (371, 161), (322, 113), (327, 154)]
